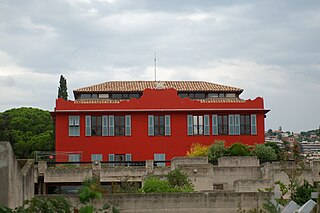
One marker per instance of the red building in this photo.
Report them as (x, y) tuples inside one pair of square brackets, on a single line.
[(144, 120)]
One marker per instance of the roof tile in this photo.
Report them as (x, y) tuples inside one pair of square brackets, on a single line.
[(139, 86)]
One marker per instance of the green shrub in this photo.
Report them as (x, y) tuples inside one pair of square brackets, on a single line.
[(154, 185), (238, 149), (216, 151), (179, 180), (264, 153)]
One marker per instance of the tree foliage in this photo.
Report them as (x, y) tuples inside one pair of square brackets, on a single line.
[(55, 204), (238, 149), (175, 181), (179, 180), (63, 90), (264, 153), (198, 150), (28, 130), (303, 193), (216, 150)]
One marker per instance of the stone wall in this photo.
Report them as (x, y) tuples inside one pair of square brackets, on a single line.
[(16, 185), (220, 202), (242, 161)]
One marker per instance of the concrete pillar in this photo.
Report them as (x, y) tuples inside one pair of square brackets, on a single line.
[(42, 167), (149, 166), (96, 168)]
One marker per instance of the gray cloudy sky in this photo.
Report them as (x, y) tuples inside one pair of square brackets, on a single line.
[(269, 48)]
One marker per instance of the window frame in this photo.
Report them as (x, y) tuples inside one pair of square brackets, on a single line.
[(96, 128), (74, 125)]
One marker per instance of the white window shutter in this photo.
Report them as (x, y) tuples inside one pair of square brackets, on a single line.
[(167, 125)]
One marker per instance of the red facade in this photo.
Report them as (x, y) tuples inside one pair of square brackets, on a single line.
[(153, 126)]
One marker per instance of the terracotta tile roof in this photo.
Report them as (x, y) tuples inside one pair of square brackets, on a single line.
[(104, 101), (97, 101), (222, 100), (139, 86)]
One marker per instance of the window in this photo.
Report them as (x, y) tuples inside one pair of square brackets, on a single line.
[(103, 96), (96, 157), (119, 127), (159, 125), (125, 95), (85, 96), (96, 125), (120, 159), (134, 95), (74, 125), (213, 95), (245, 125), (230, 95), (88, 96), (198, 125), (221, 95), (199, 95), (74, 158), (183, 95), (116, 96), (159, 157), (223, 124), (108, 125)]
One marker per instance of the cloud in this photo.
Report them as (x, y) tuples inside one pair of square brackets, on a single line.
[(268, 48)]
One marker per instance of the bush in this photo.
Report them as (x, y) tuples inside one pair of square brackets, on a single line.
[(198, 150), (265, 153), (303, 193), (154, 185), (238, 149), (180, 181), (216, 151)]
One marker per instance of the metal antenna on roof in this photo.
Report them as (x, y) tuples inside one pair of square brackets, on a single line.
[(155, 66)]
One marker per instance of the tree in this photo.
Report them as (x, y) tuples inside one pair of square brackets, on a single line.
[(238, 149), (292, 164), (275, 147), (303, 193), (153, 184), (216, 151), (28, 130), (175, 181), (198, 150), (63, 90), (179, 180), (264, 153)]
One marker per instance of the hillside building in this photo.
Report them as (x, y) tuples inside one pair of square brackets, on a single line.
[(145, 120)]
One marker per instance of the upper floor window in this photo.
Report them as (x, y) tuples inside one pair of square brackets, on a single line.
[(88, 95), (119, 127), (223, 124), (74, 125), (125, 95), (159, 125), (198, 124), (96, 125), (108, 125), (234, 124), (245, 125)]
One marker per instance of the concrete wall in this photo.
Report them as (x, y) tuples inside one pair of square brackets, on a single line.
[(16, 185), (220, 202), (73, 175), (251, 185), (242, 161)]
